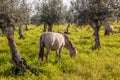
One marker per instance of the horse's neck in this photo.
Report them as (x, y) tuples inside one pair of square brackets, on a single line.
[(68, 44)]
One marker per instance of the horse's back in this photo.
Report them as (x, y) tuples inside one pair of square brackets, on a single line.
[(52, 40)]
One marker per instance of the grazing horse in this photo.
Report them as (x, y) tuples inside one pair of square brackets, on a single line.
[(109, 29), (54, 42)]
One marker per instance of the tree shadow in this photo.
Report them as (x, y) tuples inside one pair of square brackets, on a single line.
[(4, 51), (94, 48), (9, 72)]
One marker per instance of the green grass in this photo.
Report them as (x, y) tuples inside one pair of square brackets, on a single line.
[(102, 64)]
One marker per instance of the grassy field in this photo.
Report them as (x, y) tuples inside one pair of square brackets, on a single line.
[(102, 64)]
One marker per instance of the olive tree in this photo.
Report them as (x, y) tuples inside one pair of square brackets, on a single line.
[(26, 12), (50, 12), (7, 26), (22, 16), (69, 20), (94, 12)]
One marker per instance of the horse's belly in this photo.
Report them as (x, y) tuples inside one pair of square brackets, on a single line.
[(54, 48), (54, 42)]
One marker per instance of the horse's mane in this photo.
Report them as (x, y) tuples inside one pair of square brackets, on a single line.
[(67, 38)]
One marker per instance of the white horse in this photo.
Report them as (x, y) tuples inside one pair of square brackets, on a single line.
[(109, 29), (54, 42)]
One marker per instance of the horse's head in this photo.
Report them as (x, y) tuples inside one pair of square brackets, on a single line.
[(73, 52)]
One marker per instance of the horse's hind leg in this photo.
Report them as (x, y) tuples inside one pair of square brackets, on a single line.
[(40, 55), (47, 54)]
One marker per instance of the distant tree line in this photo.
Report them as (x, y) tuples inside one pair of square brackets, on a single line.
[(81, 12)]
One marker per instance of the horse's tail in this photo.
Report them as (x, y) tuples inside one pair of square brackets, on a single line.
[(41, 49)]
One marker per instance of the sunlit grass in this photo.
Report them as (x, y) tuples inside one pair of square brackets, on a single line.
[(102, 64)]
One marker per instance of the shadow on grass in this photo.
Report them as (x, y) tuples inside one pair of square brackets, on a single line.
[(94, 48), (4, 51), (9, 72)]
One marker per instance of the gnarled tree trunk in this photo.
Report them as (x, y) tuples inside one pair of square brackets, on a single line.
[(7, 28), (45, 27), (18, 61), (67, 29), (96, 34), (50, 28), (26, 27), (20, 32)]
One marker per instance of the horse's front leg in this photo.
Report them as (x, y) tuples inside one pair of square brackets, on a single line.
[(47, 54), (58, 53)]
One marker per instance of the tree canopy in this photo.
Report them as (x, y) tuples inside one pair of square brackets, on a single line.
[(88, 11), (94, 12), (50, 11)]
